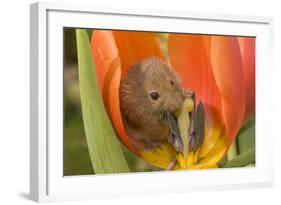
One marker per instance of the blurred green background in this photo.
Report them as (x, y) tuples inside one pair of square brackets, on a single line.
[(76, 156), (75, 151)]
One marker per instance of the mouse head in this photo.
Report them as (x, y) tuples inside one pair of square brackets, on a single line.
[(162, 86)]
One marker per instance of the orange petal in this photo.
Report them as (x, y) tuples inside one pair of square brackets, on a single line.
[(214, 132), (136, 46), (247, 48), (190, 58), (104, 51), (106, 57), (213, 156), (228, 71), (108, 67)]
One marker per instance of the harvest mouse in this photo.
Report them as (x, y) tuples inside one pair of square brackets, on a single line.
[(149, 94)]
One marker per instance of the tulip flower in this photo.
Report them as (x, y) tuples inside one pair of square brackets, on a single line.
[(219, 69)]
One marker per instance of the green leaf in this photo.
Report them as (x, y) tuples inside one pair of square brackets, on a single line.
[(246, 136), (242, 150), (244, 159), (104, 148)]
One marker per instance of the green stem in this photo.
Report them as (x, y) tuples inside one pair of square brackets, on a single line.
[(104, 148)]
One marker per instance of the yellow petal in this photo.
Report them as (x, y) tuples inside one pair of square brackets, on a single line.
[(160, 157)]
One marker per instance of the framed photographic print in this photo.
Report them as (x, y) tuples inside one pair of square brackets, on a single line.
[(128, 102)]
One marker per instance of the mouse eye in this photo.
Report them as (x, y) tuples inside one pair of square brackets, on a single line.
[(172, 82), (154, 95)]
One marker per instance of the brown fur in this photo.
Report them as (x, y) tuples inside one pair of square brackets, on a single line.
[(144, 118)]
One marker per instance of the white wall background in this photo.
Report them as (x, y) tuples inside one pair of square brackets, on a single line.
[(14, 101)]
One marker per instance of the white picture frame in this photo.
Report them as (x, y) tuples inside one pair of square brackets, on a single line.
[(47, 182)]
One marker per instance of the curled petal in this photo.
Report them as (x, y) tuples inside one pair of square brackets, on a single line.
[(228, 72), (190, 58), (247, 48), (108, 71), (104, 51)]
